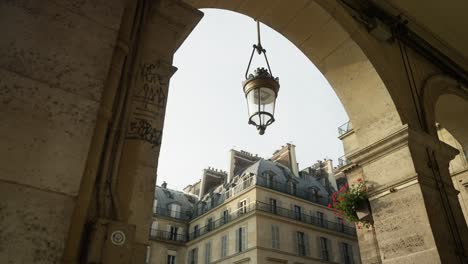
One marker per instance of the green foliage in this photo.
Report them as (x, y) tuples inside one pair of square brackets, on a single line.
[(346, 200)]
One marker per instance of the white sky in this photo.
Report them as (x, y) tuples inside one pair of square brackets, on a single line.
[(206, 113)]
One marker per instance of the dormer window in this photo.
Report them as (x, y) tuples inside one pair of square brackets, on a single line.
[(292, 188), (174, 210)]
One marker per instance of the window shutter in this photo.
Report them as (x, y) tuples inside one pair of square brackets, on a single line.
[(273, 237), (306, 243), (351, 256), (331, 256), (342, 256), (237, 240), (295, 242), (244, 238), (319, 247), (277, 238)]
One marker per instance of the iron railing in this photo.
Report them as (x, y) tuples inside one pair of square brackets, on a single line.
[(156, 234), (342, 161), (345, 128), (306, 194), (304, 218), (230, 193), (264, 207), (179, 215), (221, 221)]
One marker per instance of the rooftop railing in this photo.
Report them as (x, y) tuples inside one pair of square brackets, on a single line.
[(345, 128), (156, 234), (179, 215), (288, 188)]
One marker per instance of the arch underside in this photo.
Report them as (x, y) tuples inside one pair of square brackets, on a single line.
[(315, 30)]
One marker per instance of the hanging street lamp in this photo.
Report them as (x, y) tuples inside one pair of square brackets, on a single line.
[(261, 90)]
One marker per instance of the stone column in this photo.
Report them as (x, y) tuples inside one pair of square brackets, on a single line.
[(415, 208), (126, 213)]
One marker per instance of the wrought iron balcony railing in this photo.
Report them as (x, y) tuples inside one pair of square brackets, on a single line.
[(156, 234), (283, 212), (342, 161), (306, 194), (179, 215), (345, 128), (304, 218)]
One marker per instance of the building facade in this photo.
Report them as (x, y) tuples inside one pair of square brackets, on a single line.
[(261, 211)]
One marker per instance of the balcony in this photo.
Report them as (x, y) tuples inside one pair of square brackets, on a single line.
[(345, 128), (167, 236), (307, 219), (178, 215), (305, 194), (283, 212), (221, 221), (342, 161), (230, 193)]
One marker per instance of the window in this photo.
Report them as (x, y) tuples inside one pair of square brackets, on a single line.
[(193, 256), (270, 181), (224, 245), (173, 233), (301, 243), (320, 219), (155, 206), (225, 216), (275, 241), (196, 231), (313, 192), (293, 188), (207, 253), (241, 239), (346, 253), (243, 207), (174, 210), (154, 229), (324, 255), (209, 224), (297, 212), (273, 207), (340, 224), (170, 259)]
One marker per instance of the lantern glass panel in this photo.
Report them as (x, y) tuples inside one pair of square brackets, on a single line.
[(259, 101)]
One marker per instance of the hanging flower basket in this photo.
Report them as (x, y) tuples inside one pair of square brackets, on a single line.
[(363, 211), (351, 203)]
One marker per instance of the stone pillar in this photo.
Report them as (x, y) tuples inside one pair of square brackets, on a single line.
[(417, 217), (128, 190)]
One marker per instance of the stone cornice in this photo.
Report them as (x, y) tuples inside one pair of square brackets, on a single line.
[(394, 141)]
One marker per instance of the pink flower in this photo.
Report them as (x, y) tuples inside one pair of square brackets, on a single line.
[(359, 180), (329, 206)]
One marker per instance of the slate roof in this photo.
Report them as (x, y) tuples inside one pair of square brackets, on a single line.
[(282, 176)]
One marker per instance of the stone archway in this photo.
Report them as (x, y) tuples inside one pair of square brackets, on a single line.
[(332, 40), (57, 94)]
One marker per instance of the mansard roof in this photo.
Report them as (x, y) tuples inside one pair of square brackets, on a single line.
[(166, 196)]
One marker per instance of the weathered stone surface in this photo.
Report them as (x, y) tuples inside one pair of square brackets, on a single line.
[(45, 134), (102, 12), (26, 232), (50, 44), (401, 223)]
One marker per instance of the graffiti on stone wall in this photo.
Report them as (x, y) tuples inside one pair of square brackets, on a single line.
[(143, 130), (151, 92), (149, 103)]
